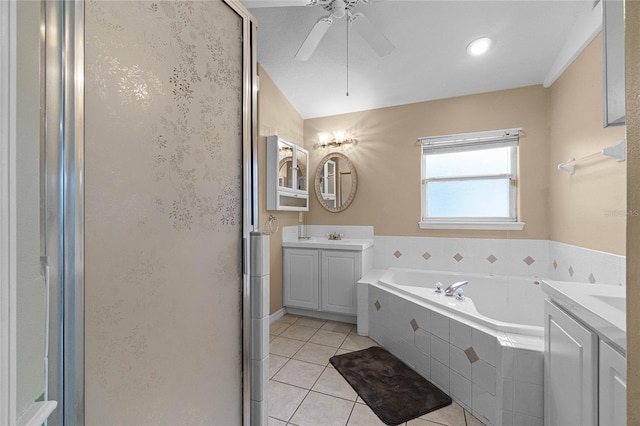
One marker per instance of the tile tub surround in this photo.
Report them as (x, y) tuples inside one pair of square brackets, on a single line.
[(306, 390), (496, 376), (514, 257)]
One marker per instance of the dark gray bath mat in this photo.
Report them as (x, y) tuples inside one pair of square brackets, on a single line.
[(392, 389)]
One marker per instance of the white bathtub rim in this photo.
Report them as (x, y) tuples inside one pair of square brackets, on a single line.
[(464, 275)]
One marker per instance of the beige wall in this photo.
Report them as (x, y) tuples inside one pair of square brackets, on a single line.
[(276, 116), (632, 59), (594, 198), (387, 158)]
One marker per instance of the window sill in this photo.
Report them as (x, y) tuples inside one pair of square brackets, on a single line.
[(481, 226)]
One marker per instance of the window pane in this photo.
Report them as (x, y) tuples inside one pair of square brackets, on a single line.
[(469, 163), (468, 198)]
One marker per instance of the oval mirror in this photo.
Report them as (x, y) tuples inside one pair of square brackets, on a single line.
[(336, 182)]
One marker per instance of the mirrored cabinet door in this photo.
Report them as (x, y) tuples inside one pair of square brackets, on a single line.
[(286, 167), (302, 160), (287, 175)]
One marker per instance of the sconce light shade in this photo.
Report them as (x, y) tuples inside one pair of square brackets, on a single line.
[(339, 138), (324, 139)]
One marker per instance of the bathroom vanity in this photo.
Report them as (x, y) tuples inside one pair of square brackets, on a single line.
[(320, 275), (585, 348)]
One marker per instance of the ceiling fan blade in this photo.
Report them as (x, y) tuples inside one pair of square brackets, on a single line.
[(378, 41), (313, 39)]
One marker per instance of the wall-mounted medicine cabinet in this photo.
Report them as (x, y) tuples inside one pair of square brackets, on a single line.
[(287, 175)]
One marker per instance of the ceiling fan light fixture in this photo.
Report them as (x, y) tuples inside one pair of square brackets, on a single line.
[(479, 46), (339, 9)]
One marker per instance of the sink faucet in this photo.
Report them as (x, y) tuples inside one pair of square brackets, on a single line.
[(451, 290)]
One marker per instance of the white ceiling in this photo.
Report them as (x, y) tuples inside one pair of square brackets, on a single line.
[(429, 61)]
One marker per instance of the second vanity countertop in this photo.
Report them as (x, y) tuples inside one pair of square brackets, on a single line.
[(353, 244), (601, 307)]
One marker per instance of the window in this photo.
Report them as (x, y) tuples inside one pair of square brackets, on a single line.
[(469, 181)]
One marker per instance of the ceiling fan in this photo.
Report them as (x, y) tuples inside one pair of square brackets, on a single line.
[(338, 9)]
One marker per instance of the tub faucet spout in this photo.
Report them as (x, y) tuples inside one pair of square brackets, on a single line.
[(451, 290)]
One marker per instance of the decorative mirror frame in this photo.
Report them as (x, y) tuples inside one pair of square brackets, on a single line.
[(319, 175)]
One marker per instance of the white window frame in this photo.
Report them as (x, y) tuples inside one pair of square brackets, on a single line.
[(462, 142)]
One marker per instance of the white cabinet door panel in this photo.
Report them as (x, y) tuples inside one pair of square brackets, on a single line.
[(301, 281), (613, 387), (570, 370), (340, 272)]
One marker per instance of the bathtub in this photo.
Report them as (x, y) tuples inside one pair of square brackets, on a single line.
[(499, 302), (485, 351)]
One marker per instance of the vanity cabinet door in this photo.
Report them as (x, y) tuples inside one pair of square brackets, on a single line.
[(301, 278), (341, 270), (571, 356), (613, 387)]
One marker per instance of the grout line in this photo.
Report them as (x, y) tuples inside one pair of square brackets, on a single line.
[(278, 370), (351, 412), (289, 384)]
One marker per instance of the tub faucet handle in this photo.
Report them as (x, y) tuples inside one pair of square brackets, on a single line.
[(459, 294), (439, 287)]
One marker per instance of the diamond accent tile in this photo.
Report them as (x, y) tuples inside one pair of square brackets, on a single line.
[(377, 305), (491, 259), (426, 255), (471, 354), (592, 279), (414, 324), (555, 264), (397, 254), (571, 271), (528, 260), (458, 257)]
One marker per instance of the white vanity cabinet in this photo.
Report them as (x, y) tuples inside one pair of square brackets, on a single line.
[(585, 377), (323, 281), (287, 175)]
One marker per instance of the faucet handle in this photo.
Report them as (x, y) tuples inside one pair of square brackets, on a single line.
[(459, 294), (439, 287)]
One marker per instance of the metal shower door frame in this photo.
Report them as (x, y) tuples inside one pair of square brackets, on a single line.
[(63, 74), (63, 190)]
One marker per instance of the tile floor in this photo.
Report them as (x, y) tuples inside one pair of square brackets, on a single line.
[(305, 389)]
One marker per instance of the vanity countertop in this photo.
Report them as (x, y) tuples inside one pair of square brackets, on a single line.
[(601, 307), (352, 244)]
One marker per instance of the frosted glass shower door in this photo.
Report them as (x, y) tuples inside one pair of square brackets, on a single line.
[(165, 154)]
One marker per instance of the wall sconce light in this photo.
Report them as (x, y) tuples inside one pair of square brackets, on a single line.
[(337, 139)]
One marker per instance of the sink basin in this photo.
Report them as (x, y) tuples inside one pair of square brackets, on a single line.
[(619, 303)]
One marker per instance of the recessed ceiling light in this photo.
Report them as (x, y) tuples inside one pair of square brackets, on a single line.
[(479, 47)]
